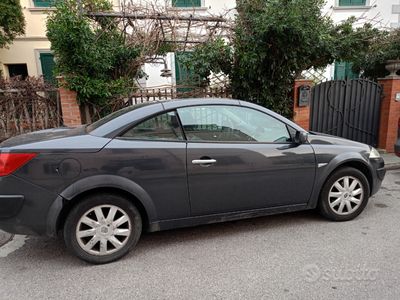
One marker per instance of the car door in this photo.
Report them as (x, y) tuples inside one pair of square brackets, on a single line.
[(239, 158), (153, 155)]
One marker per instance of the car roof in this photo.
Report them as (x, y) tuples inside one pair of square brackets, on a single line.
[(175, 103), (141, 111)]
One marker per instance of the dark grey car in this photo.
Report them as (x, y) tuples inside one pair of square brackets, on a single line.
[(177, 163)]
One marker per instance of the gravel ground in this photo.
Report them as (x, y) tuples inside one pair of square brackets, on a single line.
[(290, 256)]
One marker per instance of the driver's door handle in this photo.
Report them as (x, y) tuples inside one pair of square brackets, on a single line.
[(204, 161)]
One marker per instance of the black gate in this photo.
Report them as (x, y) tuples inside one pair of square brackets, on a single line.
[(347, 108)]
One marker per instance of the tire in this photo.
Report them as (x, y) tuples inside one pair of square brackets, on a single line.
[(331, 192), (105, 240)]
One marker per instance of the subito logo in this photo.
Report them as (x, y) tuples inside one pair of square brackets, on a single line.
[(311, 273)]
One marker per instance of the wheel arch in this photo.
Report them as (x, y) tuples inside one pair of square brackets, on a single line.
[(356, 162), (360, 166), (99, 184)]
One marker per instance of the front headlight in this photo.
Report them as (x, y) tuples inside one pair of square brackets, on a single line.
[(374, 153)]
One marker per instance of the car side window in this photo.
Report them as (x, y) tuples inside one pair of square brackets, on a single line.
[(225, 123), (161, 127)]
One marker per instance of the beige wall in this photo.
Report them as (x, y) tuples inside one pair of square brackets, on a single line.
[(26, 48), (24, 51), (35, 18)]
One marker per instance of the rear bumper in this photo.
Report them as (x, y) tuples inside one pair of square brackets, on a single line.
[(24, 213)]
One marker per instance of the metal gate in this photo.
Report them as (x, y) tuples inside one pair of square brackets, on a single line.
[(347, 108)]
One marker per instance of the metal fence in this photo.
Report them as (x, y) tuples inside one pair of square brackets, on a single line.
[(27, 105), (154, 94), (31, 104)]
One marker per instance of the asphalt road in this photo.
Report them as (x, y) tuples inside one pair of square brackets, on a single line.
[(4, 237), (291, 256)]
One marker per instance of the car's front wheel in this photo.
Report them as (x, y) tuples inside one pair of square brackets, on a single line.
[(344, 195), (102, 228)]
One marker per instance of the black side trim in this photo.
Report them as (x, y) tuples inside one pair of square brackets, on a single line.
[(218, 218)]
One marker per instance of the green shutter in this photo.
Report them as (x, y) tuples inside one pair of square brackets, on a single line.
[(181, 72), (43, 3), (349, 71), (352, 2), (183, 75), (343, 70), (340, 70), (47, 63), (344, 2), (358, 2), (186, 3)]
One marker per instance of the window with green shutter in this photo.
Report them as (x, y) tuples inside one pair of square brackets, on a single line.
[(343, 70), (352, 2), (183, 75), (48, 64), (43, 3), (186, 3)]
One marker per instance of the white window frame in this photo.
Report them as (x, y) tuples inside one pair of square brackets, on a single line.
[(37, 59)]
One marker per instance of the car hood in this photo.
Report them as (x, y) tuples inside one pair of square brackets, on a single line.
[(58, 139), (317, 138)]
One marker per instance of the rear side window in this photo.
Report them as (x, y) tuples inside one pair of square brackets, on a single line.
[(161, 127)]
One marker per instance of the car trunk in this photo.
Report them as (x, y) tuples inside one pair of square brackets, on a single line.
[(62, 139)]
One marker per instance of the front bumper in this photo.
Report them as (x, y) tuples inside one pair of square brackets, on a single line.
[(23, 206), (379, 172), (397, 147)]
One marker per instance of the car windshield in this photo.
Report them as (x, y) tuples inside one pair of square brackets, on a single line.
[(114, 115)]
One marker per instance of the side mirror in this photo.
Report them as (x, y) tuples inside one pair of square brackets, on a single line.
[(301, 137)]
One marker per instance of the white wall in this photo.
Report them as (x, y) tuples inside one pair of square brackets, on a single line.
[(383, 13), (209, 7), (380, 12), (153, 72)]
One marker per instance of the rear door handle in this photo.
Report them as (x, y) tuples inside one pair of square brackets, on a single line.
[(204, 161)]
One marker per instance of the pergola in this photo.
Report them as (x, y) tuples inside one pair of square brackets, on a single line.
[(185, 29)]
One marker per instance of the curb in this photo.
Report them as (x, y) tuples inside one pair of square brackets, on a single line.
[(390, 167)]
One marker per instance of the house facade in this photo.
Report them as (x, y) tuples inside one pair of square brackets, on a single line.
[(30, 54), (384, 14)]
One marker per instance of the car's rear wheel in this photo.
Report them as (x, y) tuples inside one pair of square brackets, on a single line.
[(102, 228), (344, 195)]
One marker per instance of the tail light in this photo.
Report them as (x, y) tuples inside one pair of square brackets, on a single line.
[(10, 162)]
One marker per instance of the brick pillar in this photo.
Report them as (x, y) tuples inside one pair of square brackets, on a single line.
[(71, 113), (301, 115), (390, 113)]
